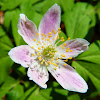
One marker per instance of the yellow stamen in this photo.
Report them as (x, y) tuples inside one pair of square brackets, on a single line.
[(49, 62), (50, 33), (35, 50), (37, 34), (32, 47), (63, 40), (42, 46), (71, 50), (62, 37), (56, 58), (63, 47), (60, 45), (59, 32), (43, 60), (54, 31), (39, 53), (66, 60), (39, 48), (46, 63), (45, 35), (55, 68), (37, 44), (41, 63), (65, 64), (70, 57), (42, 34), (50, 36), (63, 55), (59, 29), (33, 54), (68, 38), (57, 61), (58, 37), (34, 40), (39, 58), (42, 38), (64, 44), (54, 38)]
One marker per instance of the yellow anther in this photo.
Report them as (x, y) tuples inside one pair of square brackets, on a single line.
[(48, 39), (41, 63), (42, 46), (66, 60), (33, 54), (59, 29), (62, 40), (50, 52), (35, 50), (55, 64), (62, 37), (42, 38), (55, 68), (64, 44), (65, 64), (58, 37), (50, 36), (42, 34), (32, 47), (52, 59), (70, 57), (37, 44), (45, 35), (63, 55), (39, 53), (60, 57), (60, 45), (50, 33), (57, 61), (39, 48), (63, 47), (39, 58), (68, 38), (67, 50), (59, 32), (54, 31), (46, 63), (56, 58), (49, 62), (37, 34), (34, 40), (54, 38), (71, 50), (53, 53), (43, 60)]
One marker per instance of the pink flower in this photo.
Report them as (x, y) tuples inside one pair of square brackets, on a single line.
[(42, 53)]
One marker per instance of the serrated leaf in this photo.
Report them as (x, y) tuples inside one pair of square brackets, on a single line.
[(75, 20)]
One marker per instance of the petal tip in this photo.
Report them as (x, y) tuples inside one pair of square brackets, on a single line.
[(22, 16)]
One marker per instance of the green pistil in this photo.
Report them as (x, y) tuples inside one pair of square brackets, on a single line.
[(49, 51)]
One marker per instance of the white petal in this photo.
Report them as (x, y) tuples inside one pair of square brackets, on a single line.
[(68, 78), (38, 74)]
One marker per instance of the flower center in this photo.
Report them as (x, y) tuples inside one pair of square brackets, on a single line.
[(49, 51)]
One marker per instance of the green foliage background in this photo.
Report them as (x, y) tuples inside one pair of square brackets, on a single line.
[(80, 19)]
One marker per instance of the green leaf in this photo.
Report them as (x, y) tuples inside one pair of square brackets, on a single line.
[(91, 70), (43, 94), (74, 97), (1, 31), (10, 4), (5, 68), (75, 20), (8, 84), (92, 55), (15, 93)]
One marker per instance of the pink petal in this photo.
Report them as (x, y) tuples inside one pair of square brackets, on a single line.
[(27, 29), (22, 55), (68, 78), (38, 74), (50, 21), (76, 45)]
